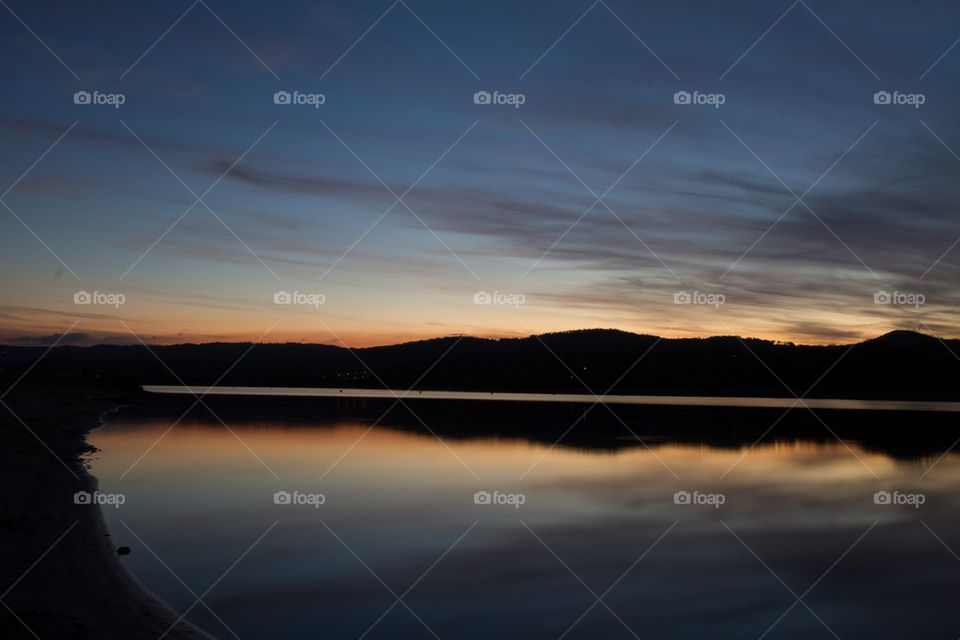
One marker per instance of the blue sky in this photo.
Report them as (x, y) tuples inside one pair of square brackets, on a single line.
[(701, 199)]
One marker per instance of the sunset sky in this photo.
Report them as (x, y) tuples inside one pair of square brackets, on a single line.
[(788, 208)]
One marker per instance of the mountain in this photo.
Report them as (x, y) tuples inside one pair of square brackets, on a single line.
[(899, 364)]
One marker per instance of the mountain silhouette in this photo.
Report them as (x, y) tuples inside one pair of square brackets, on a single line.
[(896, 365)]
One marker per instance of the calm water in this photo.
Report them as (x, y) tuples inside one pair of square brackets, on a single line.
[(400, 520)]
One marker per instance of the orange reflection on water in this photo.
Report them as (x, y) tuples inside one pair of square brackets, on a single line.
[(356, 451)]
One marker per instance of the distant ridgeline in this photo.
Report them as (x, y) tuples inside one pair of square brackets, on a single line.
[(898, 365)]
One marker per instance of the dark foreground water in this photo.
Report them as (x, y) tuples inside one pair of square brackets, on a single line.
[(384, 533)]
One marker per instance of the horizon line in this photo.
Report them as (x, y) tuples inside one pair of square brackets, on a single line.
[(51, 344)]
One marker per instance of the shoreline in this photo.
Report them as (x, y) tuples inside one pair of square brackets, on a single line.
[(758, 402), (58, 560)]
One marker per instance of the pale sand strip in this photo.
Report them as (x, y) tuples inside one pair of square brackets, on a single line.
[(575, 398)]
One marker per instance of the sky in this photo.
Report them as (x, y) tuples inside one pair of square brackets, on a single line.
[(377, 171)]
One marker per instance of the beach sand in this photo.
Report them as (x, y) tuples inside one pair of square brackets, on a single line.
[(76, 588)]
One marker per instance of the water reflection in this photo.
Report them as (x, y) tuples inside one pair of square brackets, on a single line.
[(398, 499)]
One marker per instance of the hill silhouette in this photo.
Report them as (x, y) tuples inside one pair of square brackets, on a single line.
[(900, 365)]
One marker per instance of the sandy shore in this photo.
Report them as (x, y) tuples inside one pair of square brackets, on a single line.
[(77, 587)]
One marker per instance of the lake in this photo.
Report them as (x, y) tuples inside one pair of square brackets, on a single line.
[(306, 518)]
